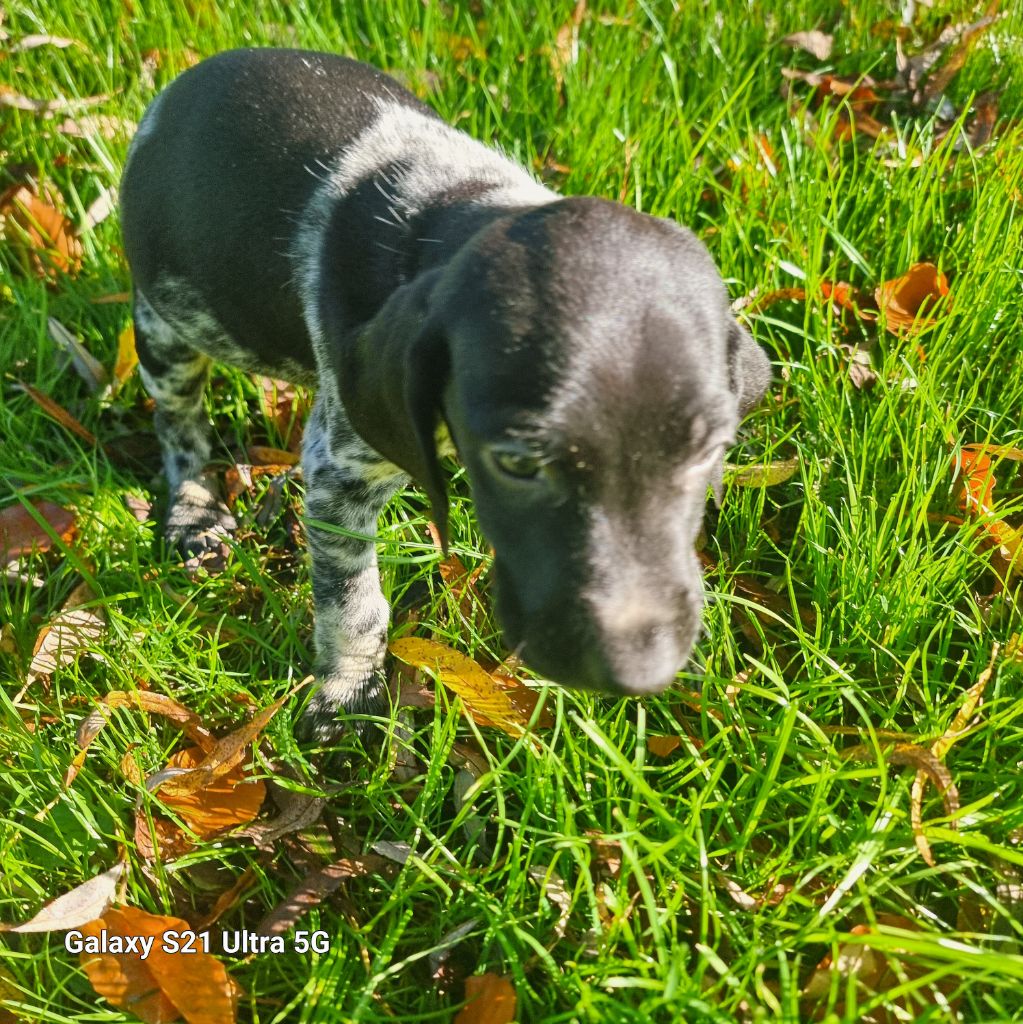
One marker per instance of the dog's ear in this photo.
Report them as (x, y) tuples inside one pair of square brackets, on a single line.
[(749, 369), (391, 377)]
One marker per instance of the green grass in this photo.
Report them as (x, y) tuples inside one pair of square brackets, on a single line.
[(759, 794)]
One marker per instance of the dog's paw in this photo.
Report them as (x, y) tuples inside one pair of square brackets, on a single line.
[(335, 700), (198, 526)]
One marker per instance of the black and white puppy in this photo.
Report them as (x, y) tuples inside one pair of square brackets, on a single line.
[(302, 215)]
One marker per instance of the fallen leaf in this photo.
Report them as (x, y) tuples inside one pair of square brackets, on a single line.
[(286, 407), (86, 365), (229, 799), (165, 986), (34, 228), (70, 634), (127, 358), (100, 208), (489, 999), (663, 746), (565, 51), (104, 126), (296, 811), (776, 472), (10, 98), (57, 412), (229, 899), (21, 533), (814, 42), (939, 748), (240, 478), (225, 755), (871, 972), (31, 42), (82, 904), (973, 462), (261, 455), (316, 887), (481, 694), (906, 299)]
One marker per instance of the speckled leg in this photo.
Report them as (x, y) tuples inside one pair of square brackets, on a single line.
[(175, 374), (347, 484)]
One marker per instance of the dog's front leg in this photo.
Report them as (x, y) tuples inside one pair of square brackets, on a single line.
[(347, 484)]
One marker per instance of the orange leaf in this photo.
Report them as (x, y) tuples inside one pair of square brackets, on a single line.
[(164, 986), (905, 299), (481, 693), (21, 533), (230, 799), (261, 455), (33, 223), (222, 759), (977, 498), (663, 746), (490, 999)]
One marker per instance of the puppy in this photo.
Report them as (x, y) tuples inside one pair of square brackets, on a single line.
[(302, 215)]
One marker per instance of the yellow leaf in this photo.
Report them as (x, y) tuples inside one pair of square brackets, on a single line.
[(480, 692), (776, 472), (127, 357)]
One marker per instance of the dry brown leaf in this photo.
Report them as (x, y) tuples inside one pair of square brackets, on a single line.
[(872, 971), (59, 413), (100, 208), (241, 478), (21, 533), (229, 799), (316, 887), (813, 41), (286, 408), (10, 98), (940, 747), (105, 126), (34, 227), (904, 300), (86, 365), (261, 456), (296, 811), (228, 899), (82, 904), (70, 633), (487, 701), (225, 756), (565, 51), (489, 999), (663, 746), (165, 986), (37, 39)]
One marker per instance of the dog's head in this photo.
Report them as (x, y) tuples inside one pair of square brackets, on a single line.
[(584, 359)]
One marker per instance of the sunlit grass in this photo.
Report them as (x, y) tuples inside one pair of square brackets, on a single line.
[(702, 886)]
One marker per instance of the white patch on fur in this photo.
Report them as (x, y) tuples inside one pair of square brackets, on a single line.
[(437, 157)]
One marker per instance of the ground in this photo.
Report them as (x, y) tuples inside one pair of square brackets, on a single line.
[(823, 820)]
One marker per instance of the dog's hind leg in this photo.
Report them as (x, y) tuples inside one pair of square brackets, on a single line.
[(175, 374), (347, 484)]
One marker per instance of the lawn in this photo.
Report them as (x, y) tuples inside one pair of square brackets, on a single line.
[(822, 820)]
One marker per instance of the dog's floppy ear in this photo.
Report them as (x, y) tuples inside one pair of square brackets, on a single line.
[(391, 377), (749, 370)]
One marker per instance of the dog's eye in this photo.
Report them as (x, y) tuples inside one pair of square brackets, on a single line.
[(514, 462)]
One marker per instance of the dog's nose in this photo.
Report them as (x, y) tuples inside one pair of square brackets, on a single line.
[(642, 659)]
